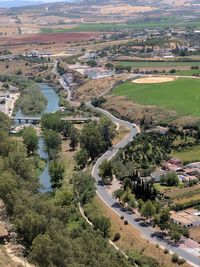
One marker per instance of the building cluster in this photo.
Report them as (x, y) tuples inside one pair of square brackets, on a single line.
[(8, 97), (186, 173)]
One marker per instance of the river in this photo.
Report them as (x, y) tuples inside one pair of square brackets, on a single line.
[(52, 105)]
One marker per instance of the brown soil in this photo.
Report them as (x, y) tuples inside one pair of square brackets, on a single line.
[(47, 38), (195, 234), (154, 80)]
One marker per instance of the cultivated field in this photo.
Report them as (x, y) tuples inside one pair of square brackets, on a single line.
[(190, 154), (149, 64), (181, 95)]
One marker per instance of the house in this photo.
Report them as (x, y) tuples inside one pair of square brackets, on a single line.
[(157, 175), (175, 161), (189, 217), (171, 167), (194, 165)]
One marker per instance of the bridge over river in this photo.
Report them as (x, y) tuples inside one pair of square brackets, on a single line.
[(36, 120)]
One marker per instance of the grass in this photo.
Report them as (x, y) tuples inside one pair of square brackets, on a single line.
[(181, 95), (122, 132), (187, 72), (67, 157), (180, 195), (149, 64), (190, 154), (137, 25), (131, 239)]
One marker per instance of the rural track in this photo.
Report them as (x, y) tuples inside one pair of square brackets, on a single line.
[(147, 233)]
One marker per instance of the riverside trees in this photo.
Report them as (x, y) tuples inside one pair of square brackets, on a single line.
[(95, 138), (30, 139), (49, 225)]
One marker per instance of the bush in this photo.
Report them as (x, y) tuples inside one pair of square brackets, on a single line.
[(166, 251), (116, 237), (125, 222), (122, 217), (175, 258), (181, 261)]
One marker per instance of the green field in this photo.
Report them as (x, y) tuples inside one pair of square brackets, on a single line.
[(137, 25), (181, 95), (187, 72), (144, 64), (189, 154)]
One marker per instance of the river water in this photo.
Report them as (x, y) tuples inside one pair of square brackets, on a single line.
[(52, 105)]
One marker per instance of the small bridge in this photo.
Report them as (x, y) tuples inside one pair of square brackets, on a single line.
[(36, 120)]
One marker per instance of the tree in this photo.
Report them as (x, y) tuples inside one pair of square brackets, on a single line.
[(56, 170), (105, 171), (163, 219), (30, 139), (103, 224), (73, 136), (53, 143), (92, 63), (81, 158), (52, 121), (148, 210), (128, 198), (91, 139), (31, 225), (18, 161), (170, 179), (5, 122), (107, 130), (109, 66), (84, 186)]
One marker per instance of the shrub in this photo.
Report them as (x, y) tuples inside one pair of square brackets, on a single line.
[(166, 251), (125, 222), (181, 261), (175, 258), (116, 237), (122, 217)]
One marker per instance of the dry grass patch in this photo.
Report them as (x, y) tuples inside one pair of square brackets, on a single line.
[(195, 234), (157, 79), (94, 88), (67, 156), (124, 8), (121, 106), (122, 132), (131, 238)]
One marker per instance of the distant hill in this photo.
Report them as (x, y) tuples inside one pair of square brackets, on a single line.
[(18, 3), (8, 4)]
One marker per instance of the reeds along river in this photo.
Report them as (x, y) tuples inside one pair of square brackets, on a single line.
[(52, 105)]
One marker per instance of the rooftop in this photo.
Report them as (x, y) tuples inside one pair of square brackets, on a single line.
[(188, 216)]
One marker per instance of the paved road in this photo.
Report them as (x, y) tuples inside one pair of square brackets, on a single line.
[(147, 232)]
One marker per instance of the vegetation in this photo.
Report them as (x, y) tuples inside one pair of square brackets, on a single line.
[(170, 179), (149, 64), (30, 139), (49, 225), (95, 138), (184, 100), (32, 101)]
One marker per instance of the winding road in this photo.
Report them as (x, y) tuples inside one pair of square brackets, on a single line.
[(147, 232)]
